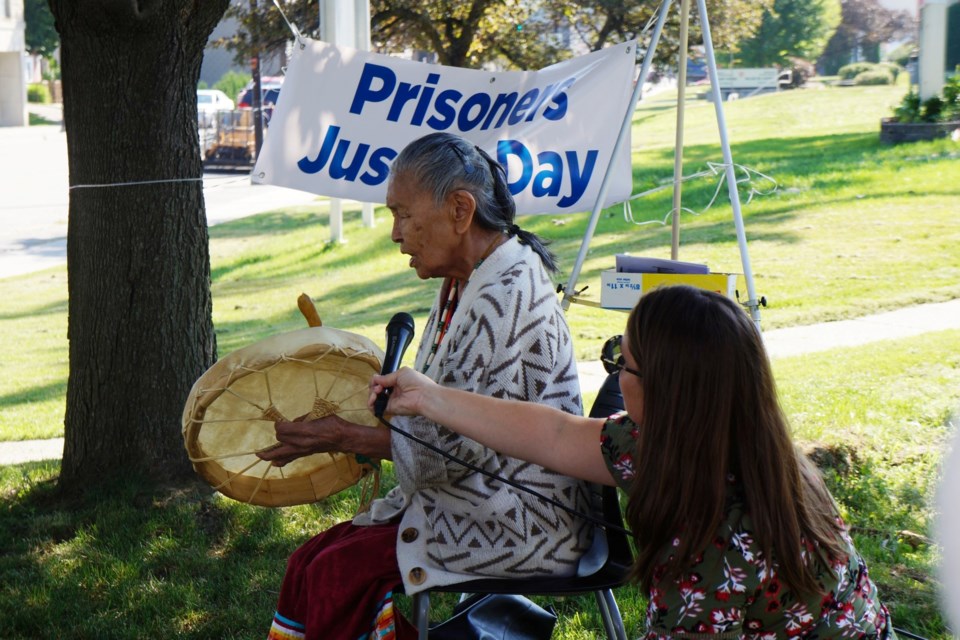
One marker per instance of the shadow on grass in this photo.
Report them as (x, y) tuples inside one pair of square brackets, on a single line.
[(269, 223), (835, 156), (52, 308), (130, 561), (41, 393), (793, 158)]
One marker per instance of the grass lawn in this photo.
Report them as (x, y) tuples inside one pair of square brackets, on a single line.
[(188, 563), (852, 228)]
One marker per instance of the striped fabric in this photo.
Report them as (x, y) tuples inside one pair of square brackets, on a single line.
[(285, 629), (383, 626)]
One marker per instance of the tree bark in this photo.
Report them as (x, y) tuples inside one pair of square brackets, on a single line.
[(140, 326)]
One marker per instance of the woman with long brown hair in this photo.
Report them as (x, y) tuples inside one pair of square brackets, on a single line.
[(736, 533)]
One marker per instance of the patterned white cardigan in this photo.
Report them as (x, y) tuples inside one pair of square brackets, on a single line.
[(507, 339)]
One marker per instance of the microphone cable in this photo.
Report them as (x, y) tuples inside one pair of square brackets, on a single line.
[(603, 524)]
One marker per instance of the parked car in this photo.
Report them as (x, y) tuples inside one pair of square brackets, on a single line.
[(209, 102), (269, 93)]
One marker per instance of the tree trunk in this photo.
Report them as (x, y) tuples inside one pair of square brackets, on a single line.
[(140, 326)]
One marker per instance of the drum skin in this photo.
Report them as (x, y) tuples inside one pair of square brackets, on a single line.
[(232, 407)]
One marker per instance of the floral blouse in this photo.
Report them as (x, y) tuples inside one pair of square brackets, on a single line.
[(732, 591)]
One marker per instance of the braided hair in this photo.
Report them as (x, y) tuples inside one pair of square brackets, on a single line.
[(443, 162)]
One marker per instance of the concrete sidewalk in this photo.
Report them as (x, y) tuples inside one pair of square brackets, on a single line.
[(35, 188)]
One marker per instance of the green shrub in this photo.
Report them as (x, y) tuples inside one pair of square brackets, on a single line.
[(951, 98), (909, 108), (892, 67), (232, 83), (877, 76), (932, 109), (39, 93), (851, 71), (939, 108)]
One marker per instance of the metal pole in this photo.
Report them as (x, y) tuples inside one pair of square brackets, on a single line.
[(678, 146), (752, 303), (568, 290), (257, 101), (361, 22), (332, 31)]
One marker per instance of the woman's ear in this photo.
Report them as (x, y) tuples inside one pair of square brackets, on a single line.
[(464, 206)]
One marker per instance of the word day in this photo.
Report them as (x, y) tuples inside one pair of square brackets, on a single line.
[(563, 175)]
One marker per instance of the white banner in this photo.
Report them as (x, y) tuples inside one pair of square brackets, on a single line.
[(343, 115)]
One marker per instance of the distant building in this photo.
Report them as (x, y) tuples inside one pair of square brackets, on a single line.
[(13, 83), (939, 44)]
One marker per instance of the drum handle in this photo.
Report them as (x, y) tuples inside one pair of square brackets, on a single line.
[(309, 310)]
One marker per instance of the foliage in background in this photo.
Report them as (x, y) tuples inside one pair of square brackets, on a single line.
[(38, 92), (903, 53), (474, 33), (262, 30), (867, 73), (41, 34), (852, 70), (874, 77), (232, 83), (597, 23), (938, 108), (864, 26), (791, 28), (469, 33)]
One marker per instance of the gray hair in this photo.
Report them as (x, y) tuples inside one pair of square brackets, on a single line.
[(443, 162)]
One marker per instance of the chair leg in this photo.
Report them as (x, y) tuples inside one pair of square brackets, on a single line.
[(421, 613), (615, 614), (610, 613)]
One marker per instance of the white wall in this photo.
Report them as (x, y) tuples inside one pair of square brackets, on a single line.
[(933, 46), (13, 87)]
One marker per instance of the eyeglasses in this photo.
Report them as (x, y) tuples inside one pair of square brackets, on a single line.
[(611, 355)]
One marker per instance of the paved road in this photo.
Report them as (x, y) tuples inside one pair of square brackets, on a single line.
[(34, 183)]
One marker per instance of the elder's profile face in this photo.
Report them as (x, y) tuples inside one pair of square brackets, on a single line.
[(424, 231)]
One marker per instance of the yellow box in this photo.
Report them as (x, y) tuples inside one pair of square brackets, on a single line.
[(622, 290)]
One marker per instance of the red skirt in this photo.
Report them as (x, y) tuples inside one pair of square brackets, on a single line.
[(339, 585)]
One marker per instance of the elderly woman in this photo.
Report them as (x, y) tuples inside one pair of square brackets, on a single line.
[(496, 329)]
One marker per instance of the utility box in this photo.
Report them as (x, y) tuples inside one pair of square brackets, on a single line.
[(619, 290)]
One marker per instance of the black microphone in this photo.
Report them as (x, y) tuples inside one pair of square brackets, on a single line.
[(399, 336)]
